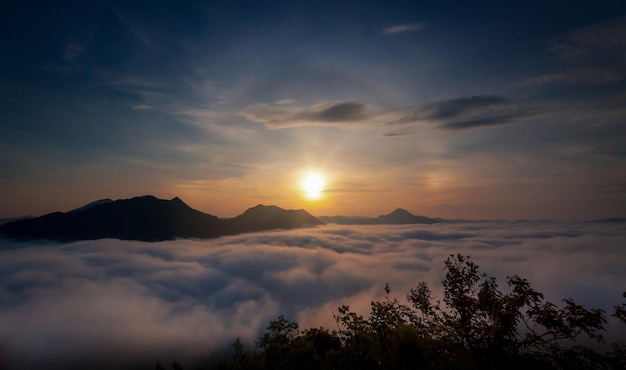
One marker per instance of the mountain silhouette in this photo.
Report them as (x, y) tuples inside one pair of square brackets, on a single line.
[(268, 217), (402, 216), (147, 218), (89, 205), (398, 217), (7, 220)]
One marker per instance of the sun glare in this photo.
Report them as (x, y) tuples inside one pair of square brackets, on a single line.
[(313, 185)]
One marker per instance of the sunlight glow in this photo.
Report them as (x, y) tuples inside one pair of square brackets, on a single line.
[(313, 185)]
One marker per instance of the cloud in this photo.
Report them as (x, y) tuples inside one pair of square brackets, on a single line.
[(394, 134), (455, 114), (132, 28), (142, 107), (75, 305), (593, 43), (63, 70), (594, 55), (340, 112), (407, 27), (588, 77), (72, 51), (281, 116), (464, 113)]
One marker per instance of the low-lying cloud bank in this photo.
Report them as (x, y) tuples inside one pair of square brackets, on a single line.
[(107, 303)]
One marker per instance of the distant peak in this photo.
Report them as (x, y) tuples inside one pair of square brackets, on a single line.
[(266, 206), (400, 210), (261, 207), (89, 205), (145, 197), (178, 201)]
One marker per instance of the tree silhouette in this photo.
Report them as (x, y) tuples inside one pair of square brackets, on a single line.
[(475, 326)]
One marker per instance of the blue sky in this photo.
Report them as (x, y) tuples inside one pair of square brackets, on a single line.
[(449, 109)]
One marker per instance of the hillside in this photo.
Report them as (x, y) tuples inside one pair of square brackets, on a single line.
[(147, 218), (398, 217)]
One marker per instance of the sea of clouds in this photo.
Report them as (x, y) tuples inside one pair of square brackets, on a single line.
[(110, 303)]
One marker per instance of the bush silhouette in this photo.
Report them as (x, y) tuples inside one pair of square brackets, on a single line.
[(475, 326)]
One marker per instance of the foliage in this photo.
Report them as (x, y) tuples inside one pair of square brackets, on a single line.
[(475, 326)]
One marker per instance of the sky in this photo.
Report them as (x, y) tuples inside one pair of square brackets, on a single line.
[(455, 109), (111, 304)]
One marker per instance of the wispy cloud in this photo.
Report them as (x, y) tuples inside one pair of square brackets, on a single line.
[(406, 27), (60, 69), (594, 43), (577, 77), (133, 81), (455, 114), (394, 134), (72, 51), (334, 113), (132, 28), (464, 113), (595, 55), (142, 107)]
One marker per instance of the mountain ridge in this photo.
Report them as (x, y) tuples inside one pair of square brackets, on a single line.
[(147, 218), (399, 216)]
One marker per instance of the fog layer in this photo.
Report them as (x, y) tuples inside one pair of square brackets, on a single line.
[(119, 303)]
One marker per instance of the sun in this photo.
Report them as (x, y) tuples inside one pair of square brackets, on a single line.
[(313, 185)]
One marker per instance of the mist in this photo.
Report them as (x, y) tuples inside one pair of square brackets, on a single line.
[(107, 303)]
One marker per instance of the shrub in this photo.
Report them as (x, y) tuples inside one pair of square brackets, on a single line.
[(476, 326)]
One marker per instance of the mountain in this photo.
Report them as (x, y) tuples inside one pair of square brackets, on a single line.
[(147, 218), (268, 217), (402, 216), (611, 220), (7, 220), (89, 205), (398, 217)]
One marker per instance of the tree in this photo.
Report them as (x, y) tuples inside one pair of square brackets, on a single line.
[(478, 325), (475, 326)]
